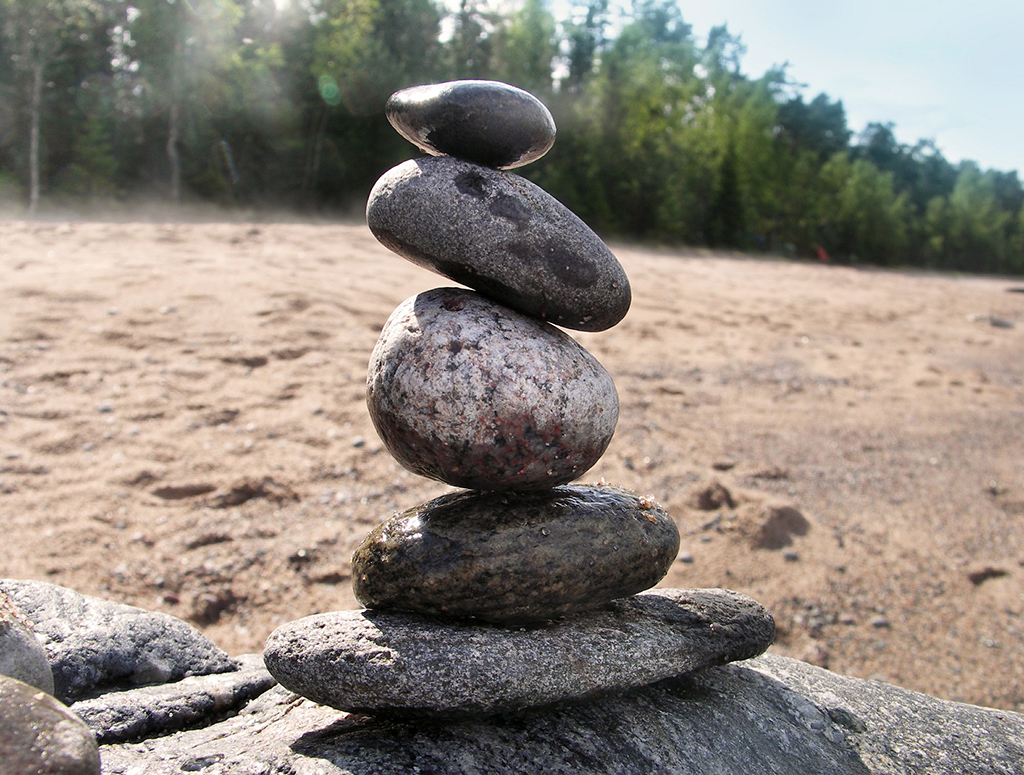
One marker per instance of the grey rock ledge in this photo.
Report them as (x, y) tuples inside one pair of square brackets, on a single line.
[(95, 644)]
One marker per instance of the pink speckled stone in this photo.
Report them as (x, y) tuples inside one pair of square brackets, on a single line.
[(468, 392)]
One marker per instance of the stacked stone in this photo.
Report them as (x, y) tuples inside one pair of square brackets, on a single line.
[(477, 599)]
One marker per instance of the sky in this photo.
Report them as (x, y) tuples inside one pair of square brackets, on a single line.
[(952, 72)]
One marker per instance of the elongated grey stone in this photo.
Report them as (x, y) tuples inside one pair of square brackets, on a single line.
[(463, 390), (501, 235), (22, 655), (379, 662), (486, 122), (39, 736), (94, 644), (154, 711), (516, 557)]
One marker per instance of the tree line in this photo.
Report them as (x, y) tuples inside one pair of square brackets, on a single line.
[(661, 137)]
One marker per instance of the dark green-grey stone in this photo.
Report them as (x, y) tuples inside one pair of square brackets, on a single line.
[(516, 557)]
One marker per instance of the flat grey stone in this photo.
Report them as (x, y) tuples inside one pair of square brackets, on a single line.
[(501, 235), (516, 557), (22, 656), (96, 644), (463, 390), (486, 122), (39, 736), (154, 711), (767, 715), (378, 662)]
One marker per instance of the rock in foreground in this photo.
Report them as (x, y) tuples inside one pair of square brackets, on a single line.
[(463, 390), (377, 662), (39, 736), (770, 714), (96, 644), (501, 235), (21, 655), (516, 557), (153, 711), (486, 122)]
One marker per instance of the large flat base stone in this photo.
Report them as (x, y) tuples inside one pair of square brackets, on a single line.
[(770, 714), (383, 662)]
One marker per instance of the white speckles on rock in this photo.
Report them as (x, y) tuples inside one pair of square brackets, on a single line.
[(470, 393)]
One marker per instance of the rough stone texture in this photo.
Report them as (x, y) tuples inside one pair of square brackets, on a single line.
[(22, 656), (466, 391), (378, 662), (152, 711), (768, 715), (486, 122), (516, 557), (502, 235), (95, 644), (39, 736), (895, 730)]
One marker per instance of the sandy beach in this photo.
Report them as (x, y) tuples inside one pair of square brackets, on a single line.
[(183, 428)]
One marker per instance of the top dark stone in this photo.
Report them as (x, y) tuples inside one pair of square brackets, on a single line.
[(486, 122)]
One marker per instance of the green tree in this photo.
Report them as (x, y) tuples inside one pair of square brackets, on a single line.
[(969, 230), (469, 53), (525, 48), (585, 36), (363, 50), (818, 126), (39, 36), (860, 215)]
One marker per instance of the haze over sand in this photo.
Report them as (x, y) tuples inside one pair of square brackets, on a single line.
[(182, 427)]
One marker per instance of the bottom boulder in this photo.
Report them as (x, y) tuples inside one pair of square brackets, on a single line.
[(770, 714)]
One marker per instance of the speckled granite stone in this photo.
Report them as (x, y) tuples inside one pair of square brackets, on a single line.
[(466, 391), (487, 122), (380, 662), (511, 558), (501, 235)]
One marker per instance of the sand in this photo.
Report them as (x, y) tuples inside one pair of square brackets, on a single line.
[(183, 428)]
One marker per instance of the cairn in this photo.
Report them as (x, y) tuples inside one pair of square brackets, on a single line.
[(521, 589)]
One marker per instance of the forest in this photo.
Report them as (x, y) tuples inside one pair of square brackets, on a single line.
[(662, 138)]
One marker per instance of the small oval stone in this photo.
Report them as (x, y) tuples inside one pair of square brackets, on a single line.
[(468, 392), (501, 235), (487, 122), (516, 557)]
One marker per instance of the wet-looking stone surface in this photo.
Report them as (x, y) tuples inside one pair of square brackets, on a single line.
[(513, 558), (486, 122)]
